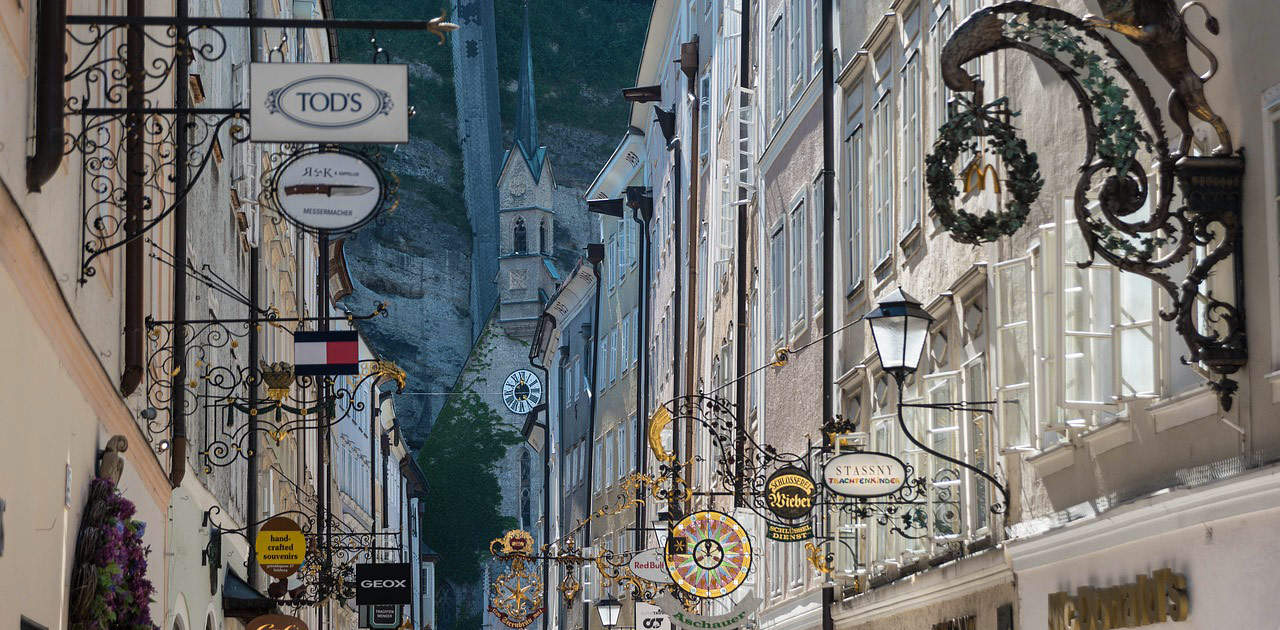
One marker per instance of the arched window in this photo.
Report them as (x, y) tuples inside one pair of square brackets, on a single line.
[(521, 237), (543, 245), (526, 470)]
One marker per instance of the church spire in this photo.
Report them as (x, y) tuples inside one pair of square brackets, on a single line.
[(527, 109)]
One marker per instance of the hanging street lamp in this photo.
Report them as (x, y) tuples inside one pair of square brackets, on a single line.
[(608, 609), (899, 326)]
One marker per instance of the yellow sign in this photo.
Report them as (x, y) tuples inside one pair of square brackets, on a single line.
[(1153, 599), (281, 547)]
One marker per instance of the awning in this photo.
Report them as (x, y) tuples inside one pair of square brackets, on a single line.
[(243, 602)]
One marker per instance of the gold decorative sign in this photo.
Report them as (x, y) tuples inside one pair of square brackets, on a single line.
[(783, 533), (276, 622), (281, 547), (1153, 599), (789, 493)]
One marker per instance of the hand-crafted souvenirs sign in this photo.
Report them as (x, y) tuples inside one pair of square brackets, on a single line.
[(329, 102), (713, 555), (789, 493), (326, 352), (281, 548), (864, 475), (276, 622), (682, 619), (384, 583), (327, 190)]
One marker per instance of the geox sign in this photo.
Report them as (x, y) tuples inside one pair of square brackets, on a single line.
[(384, 583), (329, 102)]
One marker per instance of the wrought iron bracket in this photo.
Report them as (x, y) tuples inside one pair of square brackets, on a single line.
[(1130, 216)]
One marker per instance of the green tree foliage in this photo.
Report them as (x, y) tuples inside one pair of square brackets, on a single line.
[(458, 458)]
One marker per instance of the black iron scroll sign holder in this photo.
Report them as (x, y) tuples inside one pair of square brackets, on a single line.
[(1184, 238)]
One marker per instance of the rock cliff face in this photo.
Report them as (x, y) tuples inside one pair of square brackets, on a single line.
[(418, 258)]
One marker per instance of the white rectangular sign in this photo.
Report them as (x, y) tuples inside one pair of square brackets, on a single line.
[(650, 617), (329, 102)]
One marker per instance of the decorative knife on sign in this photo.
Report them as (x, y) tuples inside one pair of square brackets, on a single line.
[(328, 190)]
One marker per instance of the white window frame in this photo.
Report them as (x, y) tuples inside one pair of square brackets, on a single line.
[(881, 169), (797, 279), (818, 219), (778, 284), (912, 145), (855, 156)]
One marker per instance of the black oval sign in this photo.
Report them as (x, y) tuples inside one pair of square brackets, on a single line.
[(789, 493)]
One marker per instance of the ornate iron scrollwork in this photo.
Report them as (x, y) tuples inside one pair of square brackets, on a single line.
[(1176, 243)]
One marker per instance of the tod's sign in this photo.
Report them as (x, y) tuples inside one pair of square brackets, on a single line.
[(1150, 600), (326, 102)]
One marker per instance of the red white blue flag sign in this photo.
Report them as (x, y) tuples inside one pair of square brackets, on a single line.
[(326, 353)]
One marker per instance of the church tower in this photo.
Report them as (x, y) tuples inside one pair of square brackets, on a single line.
[(526, 218)]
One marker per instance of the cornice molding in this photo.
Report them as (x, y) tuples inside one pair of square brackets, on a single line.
[(1149, 518)]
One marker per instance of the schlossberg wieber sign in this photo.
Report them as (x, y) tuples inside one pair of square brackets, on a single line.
[(864, 474)]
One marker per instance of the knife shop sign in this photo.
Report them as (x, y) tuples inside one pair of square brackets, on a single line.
[(328, 189), (329, 103)]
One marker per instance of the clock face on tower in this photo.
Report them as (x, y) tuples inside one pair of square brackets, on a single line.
[(522, 391)]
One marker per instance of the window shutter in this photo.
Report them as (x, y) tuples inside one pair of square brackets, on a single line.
[(1086, 315), (1014, 358)]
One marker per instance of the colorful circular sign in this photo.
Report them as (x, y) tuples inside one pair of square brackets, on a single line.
[(789, 493), (330, 190), (281, 547), (709, 554), (864, 475)]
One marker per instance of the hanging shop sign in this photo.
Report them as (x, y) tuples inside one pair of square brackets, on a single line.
[(789, 533), (681, 619), (864, 475), (327, 190), (713, 556), (281, 547), (381, 616), (329, 102), (650, 617), (276, 622), (326, 352), (1154, 599), (789, 493), (650, 565), (384, 583)]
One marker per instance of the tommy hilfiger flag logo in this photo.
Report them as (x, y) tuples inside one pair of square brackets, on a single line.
[(326, 353)]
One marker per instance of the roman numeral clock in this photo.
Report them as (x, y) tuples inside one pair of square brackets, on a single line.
[(522, 391)]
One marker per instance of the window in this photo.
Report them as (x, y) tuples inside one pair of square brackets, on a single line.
[(777, 69), (624, 342), (815, 35), (1013, 351), (521, 237), (598, 465), (881, 173), (777, 280), (704, 115), (856, 205), (610, 454), (526, 511), (798, 247), (941, 94), (912, 143), (797, 52), (819, 260)]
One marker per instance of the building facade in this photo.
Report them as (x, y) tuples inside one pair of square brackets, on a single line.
[(1095, 423)]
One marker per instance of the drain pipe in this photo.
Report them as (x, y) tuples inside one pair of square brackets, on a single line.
[(595, 255), (740, 264), (828, 250), (51, 56)]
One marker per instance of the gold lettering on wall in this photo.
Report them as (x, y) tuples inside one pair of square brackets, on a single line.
[(1153, 599)]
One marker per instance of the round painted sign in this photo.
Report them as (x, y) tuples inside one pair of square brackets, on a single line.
[(276, 622), (281, 547), (329, 190), (708, 554), (864, 475), (789, 493), (650, 565)]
